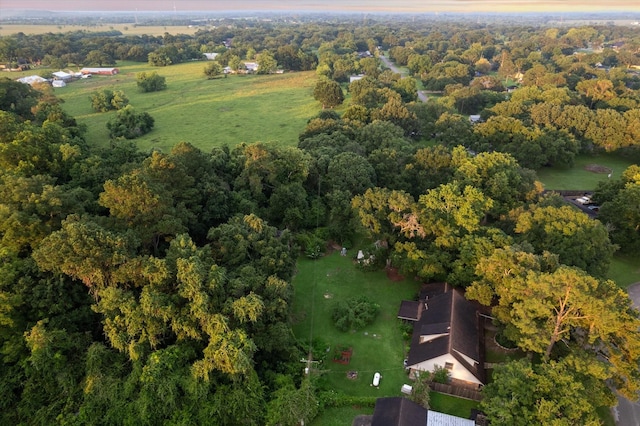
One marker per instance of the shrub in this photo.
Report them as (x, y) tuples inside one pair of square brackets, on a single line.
[(354, 313), (420, 391), (375, 258), (504, 341), (331, 398), (130, 124), (440, 375), (311, 243), (107, 100), (151, 82), (213, 70)]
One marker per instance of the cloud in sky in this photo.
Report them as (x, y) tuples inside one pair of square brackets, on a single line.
[(330, 5)]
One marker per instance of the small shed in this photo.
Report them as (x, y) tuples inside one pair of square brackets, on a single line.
[(61, 75), (58, 83)]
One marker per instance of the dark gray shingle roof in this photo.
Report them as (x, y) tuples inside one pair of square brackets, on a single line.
[(398, 411), (452, 315)]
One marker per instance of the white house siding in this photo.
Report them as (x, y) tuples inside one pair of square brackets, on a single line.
[(458, 372)]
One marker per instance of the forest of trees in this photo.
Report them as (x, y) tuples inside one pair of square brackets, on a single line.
[(150, 287)]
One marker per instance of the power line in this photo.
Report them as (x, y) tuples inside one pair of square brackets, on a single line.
[(314, 283)]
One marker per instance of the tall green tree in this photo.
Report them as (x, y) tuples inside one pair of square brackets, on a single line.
[(577, 239), (549, 393), (291, 405), (542, 303), (328, 93), (107, 100), (212, 70), (85, 251), (17, 98), (267, 64)]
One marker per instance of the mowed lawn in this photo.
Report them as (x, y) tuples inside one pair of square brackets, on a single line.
[(379, 347), (578, 177), (206, 113)]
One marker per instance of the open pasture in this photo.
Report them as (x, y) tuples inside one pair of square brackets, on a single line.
[(206, 113)]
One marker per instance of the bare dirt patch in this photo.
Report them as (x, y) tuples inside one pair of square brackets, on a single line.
[(394, 275), (597, 168)]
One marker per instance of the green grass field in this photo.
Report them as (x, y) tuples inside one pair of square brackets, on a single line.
[(206, 113), (343, 416), (579, 178), (377, 348), (624, 270)]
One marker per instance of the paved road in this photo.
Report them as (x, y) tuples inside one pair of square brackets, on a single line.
[(391, 65), (627, 413), (421, 95)]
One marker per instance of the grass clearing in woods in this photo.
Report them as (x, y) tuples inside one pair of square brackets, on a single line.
[(379, 347), (582, 175), (206, 113)]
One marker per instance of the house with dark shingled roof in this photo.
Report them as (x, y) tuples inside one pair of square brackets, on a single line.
[(398, 411), (447, 332)]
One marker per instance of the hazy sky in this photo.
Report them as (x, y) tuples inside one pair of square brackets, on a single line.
[(331, 5)]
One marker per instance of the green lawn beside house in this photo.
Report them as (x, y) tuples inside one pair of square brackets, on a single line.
[(380, 347)]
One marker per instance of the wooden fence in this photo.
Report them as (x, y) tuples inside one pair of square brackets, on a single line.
[(458, 391)]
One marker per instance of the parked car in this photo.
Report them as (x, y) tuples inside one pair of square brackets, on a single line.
[(584, 200)]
